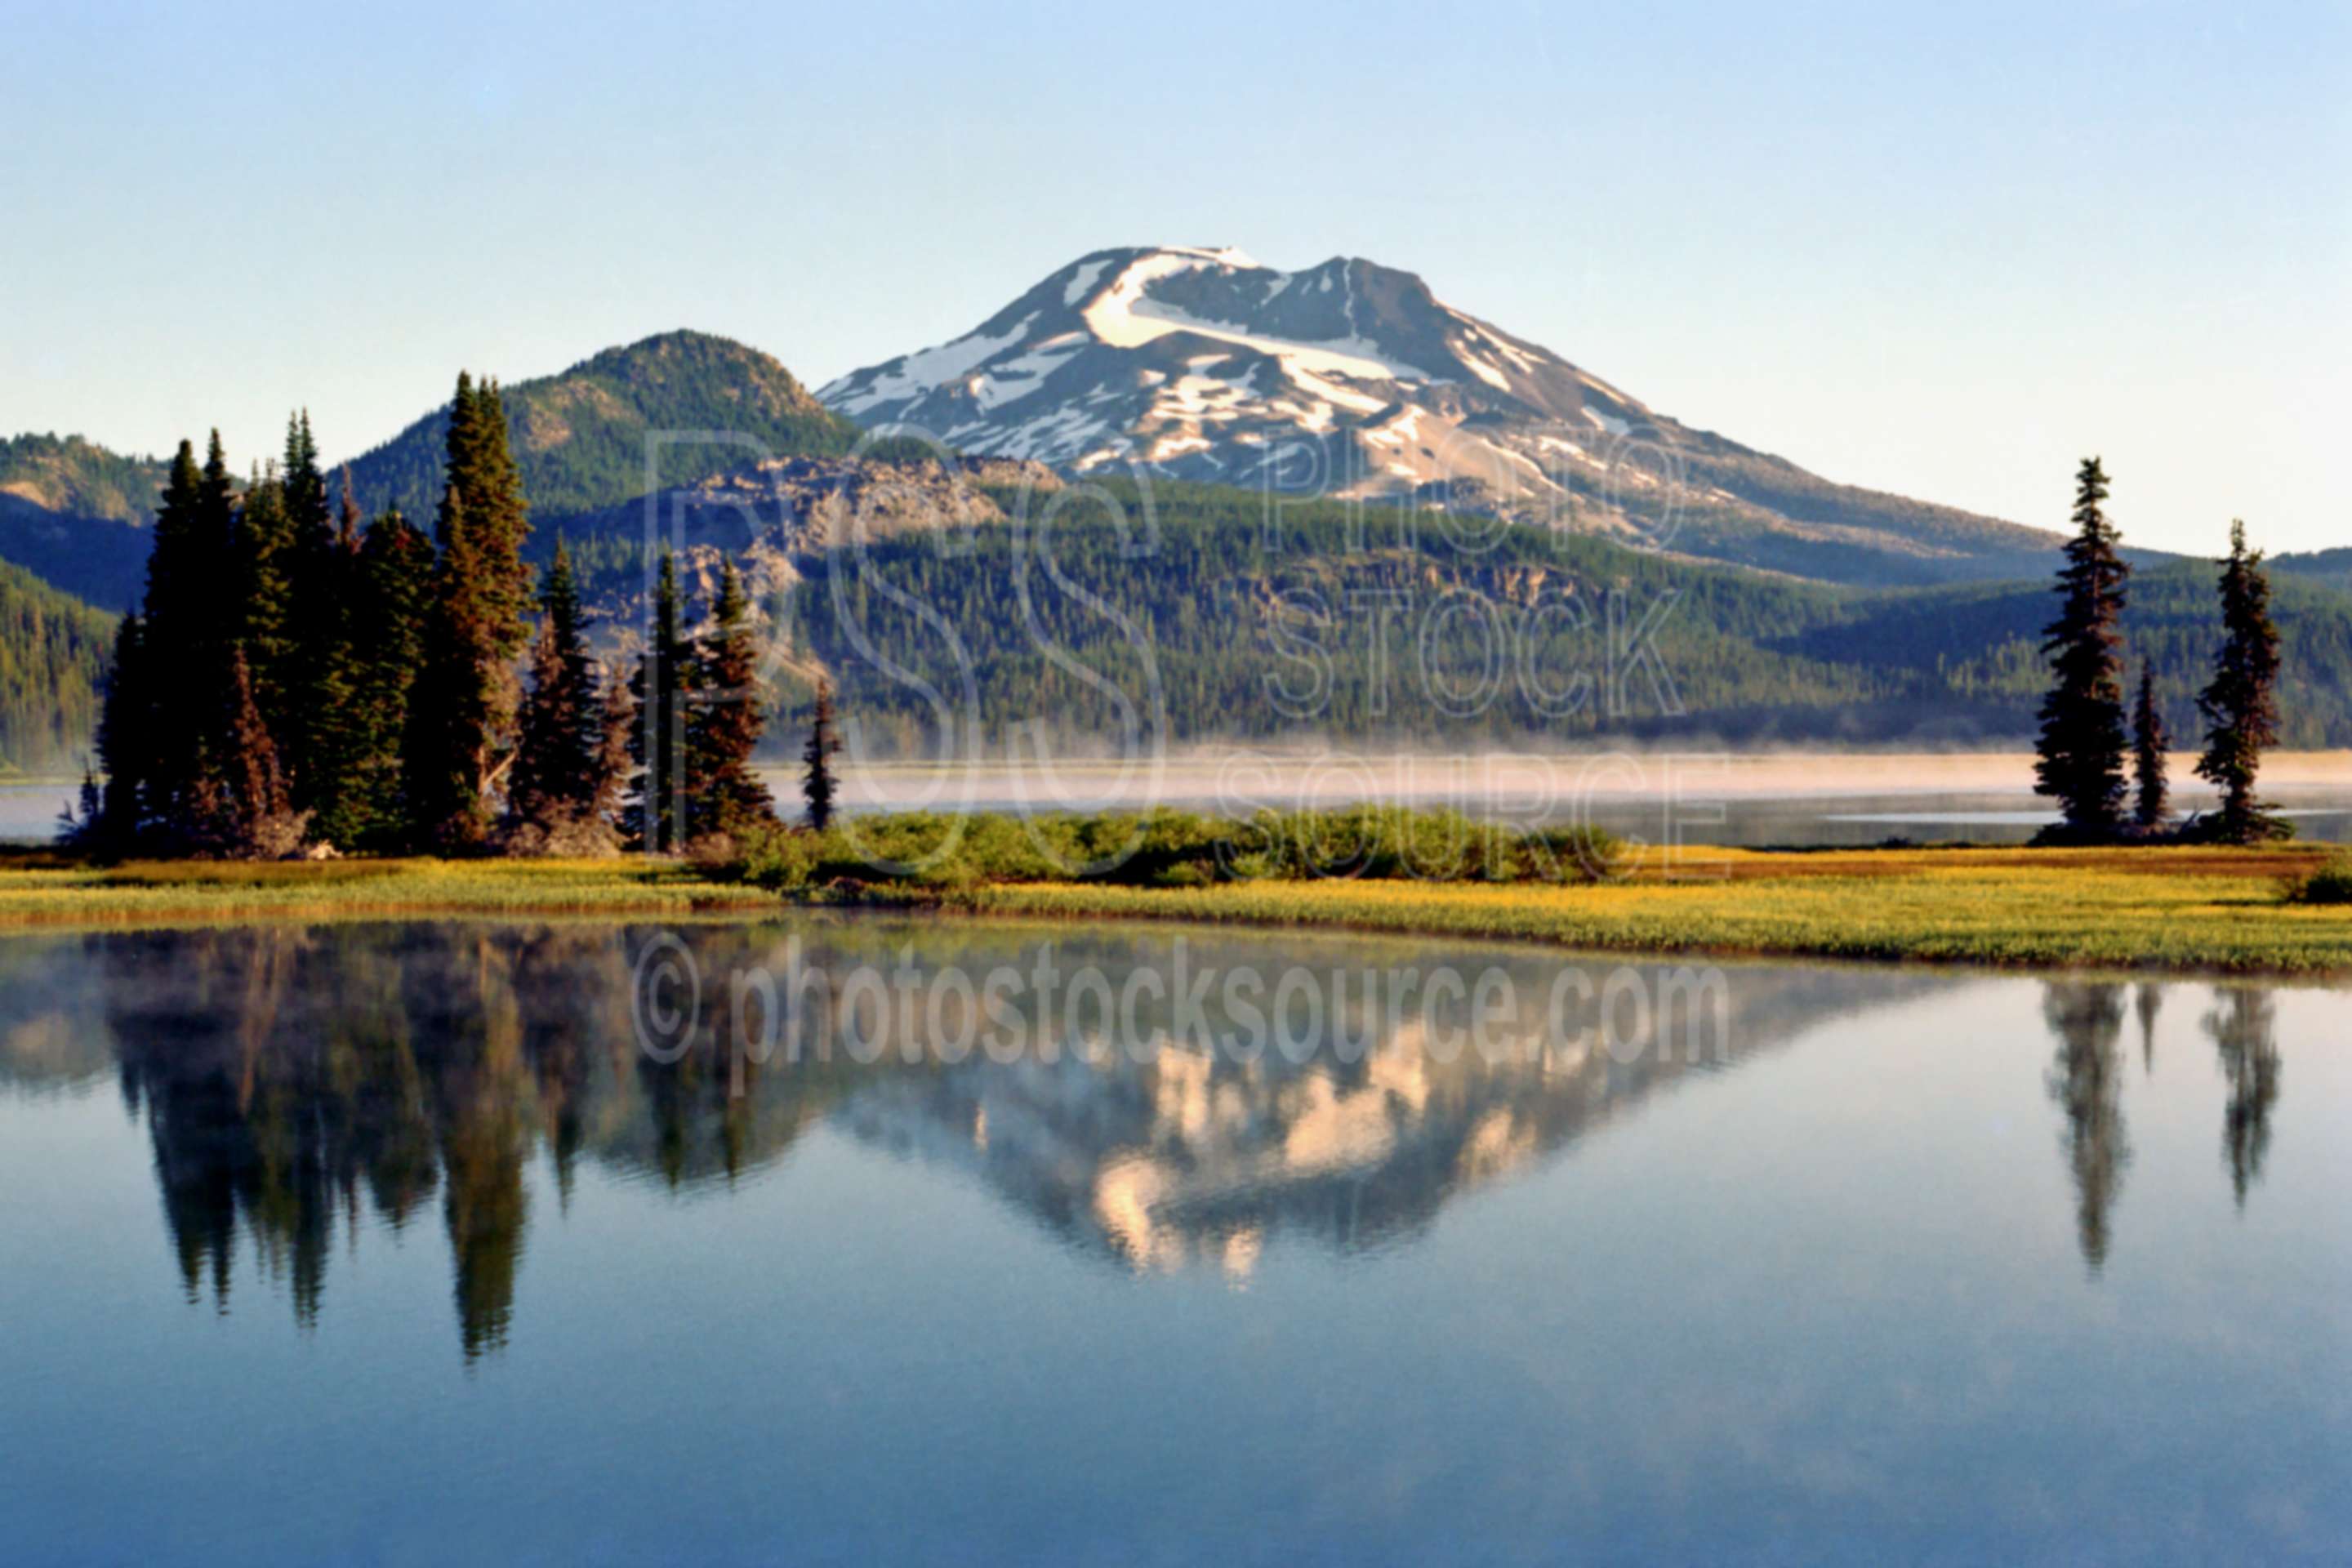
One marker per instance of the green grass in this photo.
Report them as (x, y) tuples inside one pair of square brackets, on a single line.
[(47, 889), (2178, 909), (2153, 909)]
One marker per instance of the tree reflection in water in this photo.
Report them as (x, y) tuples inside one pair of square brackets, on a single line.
[(294, 1082), (2086, 1081), (2243, 1026)]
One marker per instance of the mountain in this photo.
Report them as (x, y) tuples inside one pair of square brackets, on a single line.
[(77, 515), (582, 436), (1352, 380)]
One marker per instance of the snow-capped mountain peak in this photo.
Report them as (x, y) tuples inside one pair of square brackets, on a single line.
[(1352, 379), (1208, 363)]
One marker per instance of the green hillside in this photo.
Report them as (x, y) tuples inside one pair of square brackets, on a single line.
[(1314, 628), (53, 654), (582, 436), (75, 514)]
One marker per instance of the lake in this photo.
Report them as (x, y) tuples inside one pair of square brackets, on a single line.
[(858, 1240), (1750, 800)]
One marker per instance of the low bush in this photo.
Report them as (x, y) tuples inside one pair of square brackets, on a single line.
[(2331, 884), (1165, 848)]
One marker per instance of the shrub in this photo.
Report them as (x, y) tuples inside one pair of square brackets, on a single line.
[(1163, 846), (2331, 884)]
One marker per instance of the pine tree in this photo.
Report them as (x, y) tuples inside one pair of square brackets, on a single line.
[(2082, 744), (724, 726), (2151, 743), (817, 785), (482, 470), (557, 778), (662, 688), (188, 627), (242, 811), (309, 523), (2240, 704), (463, 705), (265, 564), (450, 732), (395, 574), (125, 743), (319, 585), (617, 729), (331, 732)]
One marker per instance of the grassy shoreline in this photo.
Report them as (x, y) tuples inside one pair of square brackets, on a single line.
[(2170, 910), (2186, 920), (50, 891)]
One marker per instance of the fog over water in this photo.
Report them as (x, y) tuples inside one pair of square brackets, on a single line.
[(1693, 796)]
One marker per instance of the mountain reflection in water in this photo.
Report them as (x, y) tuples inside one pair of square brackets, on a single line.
[(291, 1079)]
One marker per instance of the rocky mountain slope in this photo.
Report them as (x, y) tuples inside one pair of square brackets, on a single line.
[(1353, 380)]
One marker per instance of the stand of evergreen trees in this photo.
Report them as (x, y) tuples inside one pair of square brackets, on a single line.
[(294, 682), (2084, 738)]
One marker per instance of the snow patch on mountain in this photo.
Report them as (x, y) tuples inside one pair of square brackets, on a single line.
[(1354, 378)]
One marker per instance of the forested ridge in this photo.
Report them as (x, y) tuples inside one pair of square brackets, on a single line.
[(1364, 625), (53, 655), (1194, 617)]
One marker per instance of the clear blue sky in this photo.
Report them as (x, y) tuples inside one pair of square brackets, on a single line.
[(1943, 253)]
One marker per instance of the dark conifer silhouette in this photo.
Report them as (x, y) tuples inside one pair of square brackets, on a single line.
[(554, 795), (2081, 749), (264, 602), (663, 690), (365, 806), (2151, 745), (462, 706), (729, 714), (2240, 704), (817, 784), (125, 744)]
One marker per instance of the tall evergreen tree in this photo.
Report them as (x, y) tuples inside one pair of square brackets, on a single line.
[(662, 688), (395, 574), (125, 743), (309, 520), (319, 586), (817, 785), (729, 714), (557, 774), (2081, 749), (188, 628), (2151, 743), (463, 705), (482, 470), (451, 730), (2241, 703), (329, 736), (265, 601)]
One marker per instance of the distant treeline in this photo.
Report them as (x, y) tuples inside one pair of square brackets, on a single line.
[(53, 658), (1364, 624)]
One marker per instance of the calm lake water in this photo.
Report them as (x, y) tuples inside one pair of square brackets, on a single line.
[(1826, 815), (462, 1243)]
